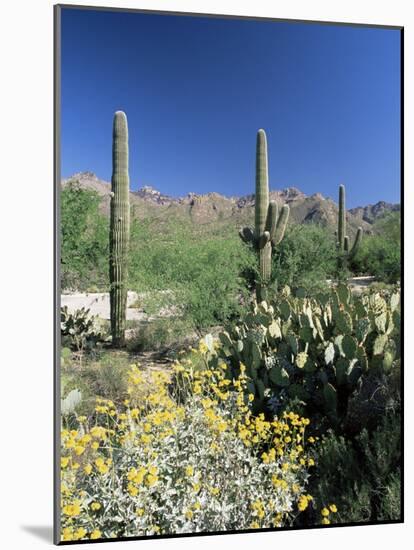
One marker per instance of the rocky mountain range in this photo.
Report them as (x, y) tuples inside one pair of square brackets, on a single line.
[(216, 209)]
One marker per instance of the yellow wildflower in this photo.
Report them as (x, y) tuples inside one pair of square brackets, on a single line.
[(202, 347), (303, 503), (79, 449), (67, 534), (151, 480), (72, 509), (132, 490), (80, 533)]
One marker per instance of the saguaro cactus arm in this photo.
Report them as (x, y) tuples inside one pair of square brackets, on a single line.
[(271, 219), (119, 229), (346, 244), (281, 225), (356, 244), (264, 239)]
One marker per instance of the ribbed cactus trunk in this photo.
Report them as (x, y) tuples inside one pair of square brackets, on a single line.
[(344, 252), (119, 229), (261, 209)]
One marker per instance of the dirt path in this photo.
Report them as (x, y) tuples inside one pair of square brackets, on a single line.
[(357, 284), (98, 304)]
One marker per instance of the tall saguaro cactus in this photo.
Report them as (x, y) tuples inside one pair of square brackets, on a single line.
[(119, 229), (344, 253), (269, 226)]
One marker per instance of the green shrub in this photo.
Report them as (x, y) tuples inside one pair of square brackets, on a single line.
[(84, 239), (362, 475), (380, 253), (306, 257), (202, 272)]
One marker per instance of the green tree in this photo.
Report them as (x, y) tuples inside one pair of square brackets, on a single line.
[(84, 239)]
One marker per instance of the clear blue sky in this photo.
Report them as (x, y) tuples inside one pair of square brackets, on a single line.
[(196, 90)]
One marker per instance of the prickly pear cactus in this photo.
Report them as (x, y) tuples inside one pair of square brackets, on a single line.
[(318, 350), (344, 252), (119, 229), (269, 226)]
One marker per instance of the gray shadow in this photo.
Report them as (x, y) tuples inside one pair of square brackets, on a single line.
[(43, 532)]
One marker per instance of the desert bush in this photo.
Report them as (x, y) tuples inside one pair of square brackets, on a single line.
[(160, 335), (158, 466)]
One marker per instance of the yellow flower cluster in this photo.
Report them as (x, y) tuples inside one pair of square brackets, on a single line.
[(147, 475), (70, 533), (326, 512), (304, 502)]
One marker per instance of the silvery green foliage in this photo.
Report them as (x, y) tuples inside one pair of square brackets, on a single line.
[(241, 476)]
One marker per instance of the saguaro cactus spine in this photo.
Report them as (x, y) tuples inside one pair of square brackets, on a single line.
[(269, 226), (119, 229), (344, 253)]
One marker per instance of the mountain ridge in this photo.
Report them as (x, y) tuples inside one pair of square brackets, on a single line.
[(214, 207)]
